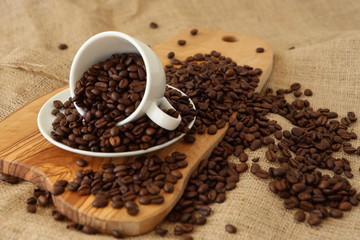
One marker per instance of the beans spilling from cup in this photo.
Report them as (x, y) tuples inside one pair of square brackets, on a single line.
[(99, 132)]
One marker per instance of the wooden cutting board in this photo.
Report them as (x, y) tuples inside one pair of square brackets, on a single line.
[(25, 153)]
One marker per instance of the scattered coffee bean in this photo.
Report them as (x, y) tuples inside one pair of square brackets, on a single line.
[(31, 208), (153, 25), (230, 228), (314, 220), (57, 190), (291, 48), (297, 94), (171, 55), (43, 201), (194, 32), (181, 42), (308, 92), (81, 163), (63, 46), (100, 202), (9, 179), (161, 231), (185, 237), (300, 216), (31, 200), (260, 50)]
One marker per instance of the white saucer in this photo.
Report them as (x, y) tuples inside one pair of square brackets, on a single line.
[(45, 120)]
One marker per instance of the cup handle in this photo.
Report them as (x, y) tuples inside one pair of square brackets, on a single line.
[(159, 117)]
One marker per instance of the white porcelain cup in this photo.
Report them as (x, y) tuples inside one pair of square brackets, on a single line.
[(100, 47)]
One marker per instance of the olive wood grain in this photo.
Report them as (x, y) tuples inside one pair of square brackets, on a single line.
[(25, 153)]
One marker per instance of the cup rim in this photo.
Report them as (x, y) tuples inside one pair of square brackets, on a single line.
[(136, 44)]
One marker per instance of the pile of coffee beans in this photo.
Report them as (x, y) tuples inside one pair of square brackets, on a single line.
[(122, 184), (99, 133)]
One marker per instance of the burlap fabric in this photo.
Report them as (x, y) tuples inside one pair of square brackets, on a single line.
[(326, 58)]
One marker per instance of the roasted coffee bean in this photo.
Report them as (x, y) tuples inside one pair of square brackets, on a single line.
[(153, 25), (255, 168), (345, 206), (62, 183), (81, 163), (181, 42), (194, 32), (58, 216), (336, 213), (57, 190), (297, 94), (117, 204), (168, 187), (9, 179), (31, 208), (308, 92), (300, 216), (63, 46), (230, 228), (170, 55), (100, 203), (185, 237), (161, 231), (314, 220), (212, 129), (132, 208), (43, 201), (260, 50), (31, 200), (241, 167)]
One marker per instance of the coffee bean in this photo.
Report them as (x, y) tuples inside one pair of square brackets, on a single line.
[(153, 25), (63, 46), (168, 187), (58, 216), (31, 200), (132, 208), (295, 86), (260, 50), (43, 201), (161, 231), (241, 167), (185, 237), (9, 179), (81, 163), (345, 206), (31, 208), (170, 55), (230, 228), (117, 234), (336, 213), (62, 183), (57, 190), (117, 204), (100, 203), (181, 42), (300, 216), (194, 32), (297, 94), (255, 168), (313, 220), (308, 92), (212, 129)]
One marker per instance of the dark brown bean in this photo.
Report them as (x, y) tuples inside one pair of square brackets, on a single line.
[(230, 228)]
